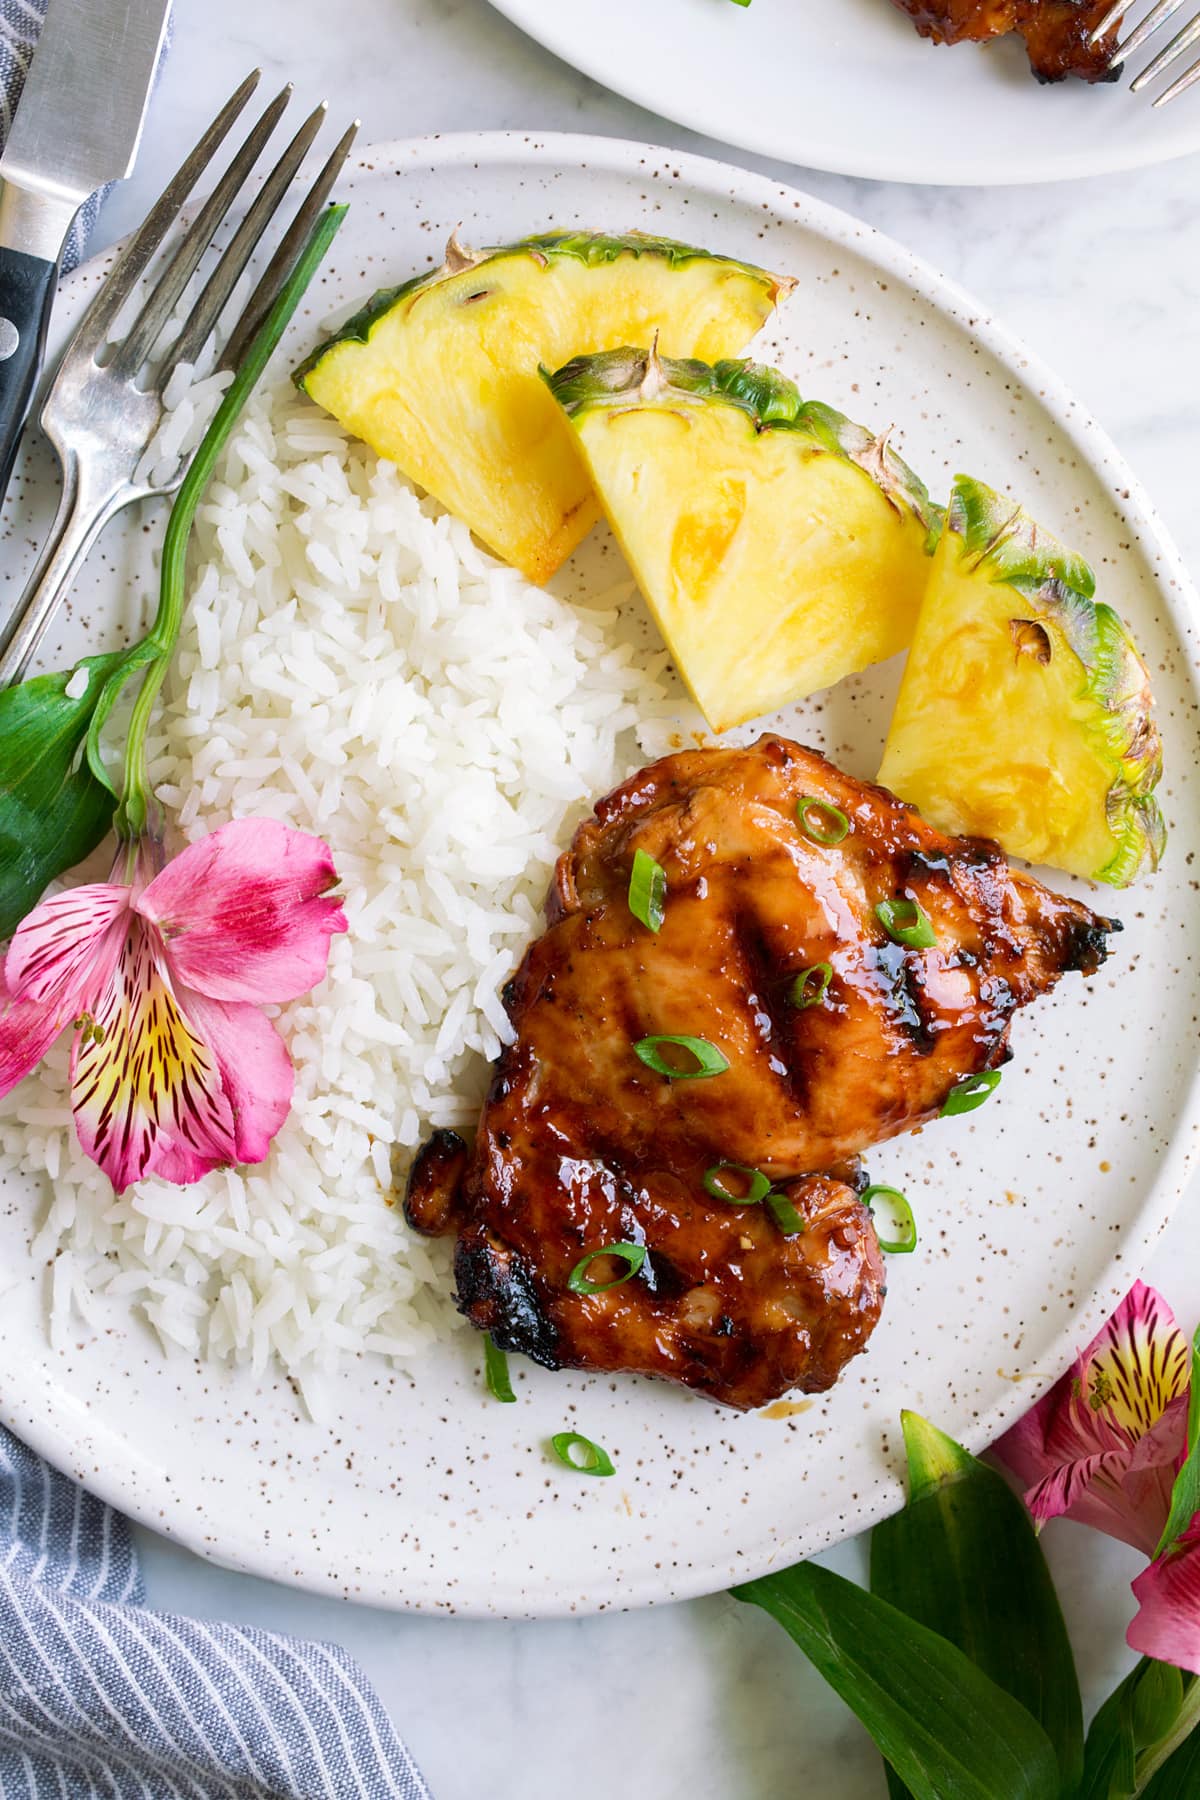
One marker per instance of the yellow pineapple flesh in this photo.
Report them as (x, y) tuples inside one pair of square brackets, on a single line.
[(441, 375), (1025, 712), (780, 547)]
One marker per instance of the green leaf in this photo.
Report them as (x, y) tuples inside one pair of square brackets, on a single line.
[(1157, 1698), (963, 1559), (1179, 1776), (1110, 1754), (54, 809), (1134, 1729), (1185, 1495), (946, 1728)]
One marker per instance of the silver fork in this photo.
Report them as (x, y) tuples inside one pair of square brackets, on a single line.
[(106, 401), (1153, 22)]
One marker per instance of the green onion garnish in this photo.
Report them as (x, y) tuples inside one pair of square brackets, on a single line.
[(971, 1092), (901, 1214), (648, 891), (786, 1216), (757, 1189), (821, 822), (906, 922), (495, 1369), (811, 986), (592, 1459), (633, 1254), (709, 1060)]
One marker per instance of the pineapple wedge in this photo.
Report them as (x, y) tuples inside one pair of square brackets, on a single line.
[(441, 374), (1025, 712), (779, 546)]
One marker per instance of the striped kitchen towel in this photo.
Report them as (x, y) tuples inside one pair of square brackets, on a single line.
[(99, 1697)]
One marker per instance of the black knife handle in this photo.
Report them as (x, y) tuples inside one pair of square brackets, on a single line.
[(26, 291)]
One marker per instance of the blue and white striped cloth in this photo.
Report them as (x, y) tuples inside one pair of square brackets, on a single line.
[(99, 1697)]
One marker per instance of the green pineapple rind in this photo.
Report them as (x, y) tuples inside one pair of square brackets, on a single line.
[(625, 379), (592, 248), (1001, 540)]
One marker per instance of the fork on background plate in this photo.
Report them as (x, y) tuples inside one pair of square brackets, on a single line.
[(1155, 19), (105, 403)]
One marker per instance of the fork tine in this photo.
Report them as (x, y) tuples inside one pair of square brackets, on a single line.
[(129, 266), (1188, 79), (1158, 15), (1178, 44), (280, 265), (164, 297), (200, 321), (1112, 17)]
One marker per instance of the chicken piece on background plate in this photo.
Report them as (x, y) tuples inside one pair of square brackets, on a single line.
[(1057, 33)]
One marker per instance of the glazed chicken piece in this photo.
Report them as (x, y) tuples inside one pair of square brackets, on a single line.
[(1057, 33), (582, 1145)]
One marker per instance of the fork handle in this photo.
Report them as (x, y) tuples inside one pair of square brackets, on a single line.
[(82, 515), (26, 293)]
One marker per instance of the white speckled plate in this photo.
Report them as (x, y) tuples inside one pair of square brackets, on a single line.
[(849, 86), (1036, 1212)]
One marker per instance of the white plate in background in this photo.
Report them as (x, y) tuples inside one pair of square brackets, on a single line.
[(849, 86)]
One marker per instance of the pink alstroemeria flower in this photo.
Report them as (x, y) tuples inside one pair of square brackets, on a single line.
[(174, 1070), (1105, 1444), (1104, 1447)]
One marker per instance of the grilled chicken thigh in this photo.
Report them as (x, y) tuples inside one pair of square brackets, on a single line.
[(1057, 33), (582, 1145)]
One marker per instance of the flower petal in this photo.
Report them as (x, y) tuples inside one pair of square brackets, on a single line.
[(1139, 1362), (27, 1030), (1104, 1445), (256, 1070), (65, 948), (241, 914), (1102, 1491), (60, 956), (146, 1090), (1167, 1623)]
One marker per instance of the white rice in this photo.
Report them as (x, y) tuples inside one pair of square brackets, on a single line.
[(353, 664)]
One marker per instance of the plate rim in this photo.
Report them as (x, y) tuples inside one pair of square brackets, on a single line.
[(45, 1424), (757, 137)]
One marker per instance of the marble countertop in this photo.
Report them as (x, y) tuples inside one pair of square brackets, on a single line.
[(1103, 279)]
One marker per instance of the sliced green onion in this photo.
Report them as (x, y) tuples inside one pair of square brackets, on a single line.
[(758, 1189), (906, 922), (824, 824), (811, 986), (648, 891), (495, 1370), (786, 1216), (971, 1092), (595, 1461), (901, 1213), (709, 1060), (633, 1254)]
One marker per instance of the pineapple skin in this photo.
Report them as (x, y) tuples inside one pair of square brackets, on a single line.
[(440, 374), (779, 545), (1047, 742)]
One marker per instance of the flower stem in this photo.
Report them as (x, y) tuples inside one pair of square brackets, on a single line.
[(160, 640)]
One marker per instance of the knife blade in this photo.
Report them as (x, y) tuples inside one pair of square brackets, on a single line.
[(78, 125)]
